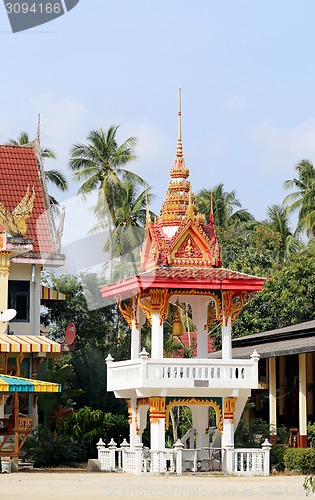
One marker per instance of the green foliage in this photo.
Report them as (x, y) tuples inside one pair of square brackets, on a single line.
[(87, 426), (253, 435), (90, 375), (48, 449), (253, 250), (311, 433), (277, 458), (286, 299), (49, 401), (97, 327), (309, 485), (301, 460)]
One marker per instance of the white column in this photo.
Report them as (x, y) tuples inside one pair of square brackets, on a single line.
[(4, 280), (157, 423), (228, 421), (309, 380), (272, 400), (228, 432), (137, 324), (200, 422), (199, 306), (282, 385), (156, 337), (302, 401), (133, 423), (226, 332)]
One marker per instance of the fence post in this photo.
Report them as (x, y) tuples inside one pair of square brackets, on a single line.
[(124, 446), (112, 446), (100, 451), (178, 448), (228, 460), (138, 449), (266, 446)]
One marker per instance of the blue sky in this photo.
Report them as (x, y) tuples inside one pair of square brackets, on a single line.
[(246, 69)]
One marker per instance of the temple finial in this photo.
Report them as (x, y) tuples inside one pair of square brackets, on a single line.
[(211, 216), (148, 217), (179, 149), (38, 128)]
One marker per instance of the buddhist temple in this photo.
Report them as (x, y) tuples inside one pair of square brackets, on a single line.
[(181, 264)]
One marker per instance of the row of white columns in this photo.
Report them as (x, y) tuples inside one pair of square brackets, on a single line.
[(305, 370)]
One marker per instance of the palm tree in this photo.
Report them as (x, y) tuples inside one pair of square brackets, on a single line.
[(54, 176), (224, 205), (127, 223), (278, 221), (101, 165), (303, 199)]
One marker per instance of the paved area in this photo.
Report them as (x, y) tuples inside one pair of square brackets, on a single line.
[(101, 486)]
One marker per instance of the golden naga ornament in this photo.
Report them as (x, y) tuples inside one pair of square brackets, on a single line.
[(15, 222)]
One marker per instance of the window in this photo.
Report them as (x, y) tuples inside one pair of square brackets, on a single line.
[(19, 299)]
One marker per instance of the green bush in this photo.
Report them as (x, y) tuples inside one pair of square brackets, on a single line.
[(46, 448), (311, 433), (300, 459), (277, 458)]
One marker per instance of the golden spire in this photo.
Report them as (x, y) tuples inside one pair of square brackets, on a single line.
[(179, 149)]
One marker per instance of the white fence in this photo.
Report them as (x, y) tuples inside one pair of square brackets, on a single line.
[(140, 460)]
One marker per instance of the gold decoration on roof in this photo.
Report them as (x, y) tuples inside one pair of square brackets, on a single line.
[(15, 222)]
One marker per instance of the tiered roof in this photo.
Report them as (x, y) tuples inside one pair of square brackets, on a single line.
[(180, 249), (24, 202)]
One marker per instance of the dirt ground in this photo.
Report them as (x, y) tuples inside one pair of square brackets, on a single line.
[(83, 485)]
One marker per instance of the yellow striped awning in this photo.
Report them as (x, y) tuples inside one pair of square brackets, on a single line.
[(28, 343), (50, 294), (19, 384)]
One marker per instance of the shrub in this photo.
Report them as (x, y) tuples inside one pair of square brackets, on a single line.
[(300, 459), (277, 458), (47, 448), (311, 433)]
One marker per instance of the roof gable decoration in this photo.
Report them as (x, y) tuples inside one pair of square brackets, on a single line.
[(191, 245), (15, 221)]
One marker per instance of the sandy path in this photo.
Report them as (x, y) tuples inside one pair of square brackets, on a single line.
[(81, 485)]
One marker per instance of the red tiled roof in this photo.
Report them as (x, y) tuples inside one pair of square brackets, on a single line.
[(18, 170), (184, 279)]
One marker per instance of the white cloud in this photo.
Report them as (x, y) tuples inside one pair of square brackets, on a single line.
[(282, 148)]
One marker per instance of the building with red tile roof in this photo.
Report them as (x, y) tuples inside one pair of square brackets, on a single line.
[(29, 241)]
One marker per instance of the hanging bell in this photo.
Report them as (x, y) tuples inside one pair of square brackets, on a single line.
[(177, 326)]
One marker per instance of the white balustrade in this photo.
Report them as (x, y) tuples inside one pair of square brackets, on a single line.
[(183, 373), (251, 461)]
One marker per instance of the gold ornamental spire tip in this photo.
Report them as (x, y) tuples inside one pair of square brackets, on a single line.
[(179, 149), (147, 218)]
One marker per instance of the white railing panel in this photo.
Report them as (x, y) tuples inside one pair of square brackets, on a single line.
[(182, 373)]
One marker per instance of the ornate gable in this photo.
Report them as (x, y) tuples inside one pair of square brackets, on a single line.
[(191, 246)]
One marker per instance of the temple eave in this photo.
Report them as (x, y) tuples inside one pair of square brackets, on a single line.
[(136, 284)]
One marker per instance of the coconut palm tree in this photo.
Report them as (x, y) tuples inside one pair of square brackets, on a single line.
[(101, 165), (224, 205), (303, 199), (55, 177), (278, 221), (127, 223)]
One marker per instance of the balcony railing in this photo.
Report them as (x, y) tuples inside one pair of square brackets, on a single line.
[(183, 373)]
